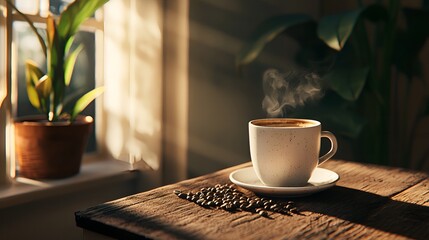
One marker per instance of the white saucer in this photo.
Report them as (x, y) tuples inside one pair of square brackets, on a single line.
[(320, 180)]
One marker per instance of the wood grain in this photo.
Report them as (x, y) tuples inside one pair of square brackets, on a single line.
[(369, 202)]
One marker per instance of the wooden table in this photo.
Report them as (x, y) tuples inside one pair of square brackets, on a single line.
[(368, 202)]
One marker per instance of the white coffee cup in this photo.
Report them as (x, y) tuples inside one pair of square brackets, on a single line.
[(285, 151)]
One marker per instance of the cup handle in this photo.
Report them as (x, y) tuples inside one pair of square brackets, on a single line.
[(333, 149)]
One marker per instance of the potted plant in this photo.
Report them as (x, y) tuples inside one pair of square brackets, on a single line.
[(52, 145), (368, 60)]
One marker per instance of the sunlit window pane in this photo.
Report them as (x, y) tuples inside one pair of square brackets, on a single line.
[(41, 7), (28, 6)]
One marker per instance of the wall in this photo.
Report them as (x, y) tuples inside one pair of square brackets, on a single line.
[(221, 102)]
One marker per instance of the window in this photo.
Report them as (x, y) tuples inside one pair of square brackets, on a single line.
[(128, 51)]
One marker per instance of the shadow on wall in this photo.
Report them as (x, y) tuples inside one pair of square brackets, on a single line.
[(221, 103)]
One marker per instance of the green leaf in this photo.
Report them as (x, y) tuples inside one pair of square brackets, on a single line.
[(68, 45), (55, 47), (84, 101), (75, 14), (50, 30), (336, 29), (33, 97), (347, 82), (267, 32), (32, 72), (69, 64), (44, 86)]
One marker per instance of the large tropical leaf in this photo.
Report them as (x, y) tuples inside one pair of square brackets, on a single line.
[(267, 32), (75, 14), (84, 101), (336, 29), (347, 82)]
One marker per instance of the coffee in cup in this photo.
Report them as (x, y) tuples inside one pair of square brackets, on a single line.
[(285, 151)]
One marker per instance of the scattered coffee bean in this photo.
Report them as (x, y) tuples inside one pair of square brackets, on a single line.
[(228, 198)]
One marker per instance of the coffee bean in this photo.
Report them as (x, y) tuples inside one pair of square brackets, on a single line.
[(227, 206), (230, 207), (286, 213), (250, 206), (263, 213), (182, 195)]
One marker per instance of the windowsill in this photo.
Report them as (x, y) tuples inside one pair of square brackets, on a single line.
[(23, 190)]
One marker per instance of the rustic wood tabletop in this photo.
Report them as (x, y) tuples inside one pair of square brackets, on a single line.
[(368, 202)]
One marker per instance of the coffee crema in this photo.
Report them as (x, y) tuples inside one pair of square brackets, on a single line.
[(286, 123)]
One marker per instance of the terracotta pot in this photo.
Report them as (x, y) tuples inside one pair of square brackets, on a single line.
[(50, 150)]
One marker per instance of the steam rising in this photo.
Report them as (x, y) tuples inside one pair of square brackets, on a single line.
[(291, 89)]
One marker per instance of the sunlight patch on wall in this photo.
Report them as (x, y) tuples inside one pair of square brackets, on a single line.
[(133, 80)]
